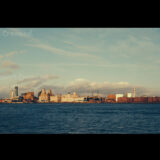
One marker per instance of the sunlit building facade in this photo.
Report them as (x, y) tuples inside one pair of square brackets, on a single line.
[(72, 98), (43, 96)]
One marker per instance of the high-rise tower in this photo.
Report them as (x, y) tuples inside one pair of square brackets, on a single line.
[(50, 92), (134, 92), (16, 91)]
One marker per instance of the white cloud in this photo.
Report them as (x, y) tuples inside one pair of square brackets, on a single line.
[(134, 47), (80, 82), (80, 85), (37, 43), (19, 33), (9, 54), (86, 87), (86, 48), (61, 51), (28, 35)]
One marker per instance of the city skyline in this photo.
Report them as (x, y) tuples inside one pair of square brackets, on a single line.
[(80, 59)]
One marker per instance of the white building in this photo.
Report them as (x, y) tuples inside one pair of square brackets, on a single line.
[(72, 98), (43, 96), (129, 95), (119, 95), (56, 98)]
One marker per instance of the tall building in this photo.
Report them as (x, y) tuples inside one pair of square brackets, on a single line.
[(44, 96), (11, 94), (16, 91), (134, 92), (39, 93), (50, 93)]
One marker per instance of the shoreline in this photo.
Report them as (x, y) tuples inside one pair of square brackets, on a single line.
[(71, 103)]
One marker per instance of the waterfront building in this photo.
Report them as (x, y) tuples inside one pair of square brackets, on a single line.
[(43, 96), (17, 99), (123, 100), (119, 95), (11, 94), (94, 99), (75, 95), (39, 93), (1, 100), (129, 95), (50, 93), (16, 91), (29, 96), (7, 100), (111, 98), (72, 98), (56, 99), (134, 92)]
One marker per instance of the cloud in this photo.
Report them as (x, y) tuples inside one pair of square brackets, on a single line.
[(45, 77), (1, 56), (37, 44), (19, 33), (9, 54), (9, 65), (7, 68), (61, 51), (86, 48), (86, 87), (34, 82), (134, 47), (6, 73), (4, 92), (68, 42), (28, 35), (82, 86)]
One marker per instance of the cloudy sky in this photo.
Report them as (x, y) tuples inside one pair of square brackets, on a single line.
[(86, 60)]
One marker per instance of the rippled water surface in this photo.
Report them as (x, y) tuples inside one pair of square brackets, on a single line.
[(79, 118)]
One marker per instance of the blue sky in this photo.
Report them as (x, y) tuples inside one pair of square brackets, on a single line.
[(93, 57)]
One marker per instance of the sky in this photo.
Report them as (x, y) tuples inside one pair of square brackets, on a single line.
[(85, 60)]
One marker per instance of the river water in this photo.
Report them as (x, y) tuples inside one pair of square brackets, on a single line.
[(79, 118)]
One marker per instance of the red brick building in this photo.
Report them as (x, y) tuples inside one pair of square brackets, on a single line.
[(111, 98)]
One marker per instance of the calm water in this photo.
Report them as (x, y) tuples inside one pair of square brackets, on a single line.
[(79, 118)]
